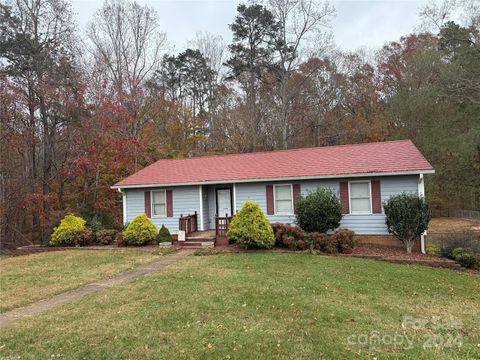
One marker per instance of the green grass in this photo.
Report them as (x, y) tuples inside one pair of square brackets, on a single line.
[(258, 306), (25, 279)]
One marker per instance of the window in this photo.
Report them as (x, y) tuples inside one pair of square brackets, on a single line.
[(360, 201), (159, 203), (283, 199)]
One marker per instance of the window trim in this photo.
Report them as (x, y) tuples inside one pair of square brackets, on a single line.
[(369, 182), (152, 203), (275, 200)]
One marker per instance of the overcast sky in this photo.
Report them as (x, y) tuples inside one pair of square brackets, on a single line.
[(358, 23)]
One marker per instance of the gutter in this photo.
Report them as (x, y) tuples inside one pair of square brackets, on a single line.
[(290, 178)]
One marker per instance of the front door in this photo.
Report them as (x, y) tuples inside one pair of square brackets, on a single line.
[(224, 202)]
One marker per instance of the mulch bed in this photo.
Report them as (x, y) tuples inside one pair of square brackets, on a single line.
[(400, 256)]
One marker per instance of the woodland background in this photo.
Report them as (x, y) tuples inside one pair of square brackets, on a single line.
[(80, 113)]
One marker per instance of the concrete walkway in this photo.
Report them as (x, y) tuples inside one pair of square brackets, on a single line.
[(42, 306)]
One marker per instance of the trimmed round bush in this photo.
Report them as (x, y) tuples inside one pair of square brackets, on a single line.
[(319, 211), (69, 232), (164, 235), (140, 231), (407, 217), (250, 228)]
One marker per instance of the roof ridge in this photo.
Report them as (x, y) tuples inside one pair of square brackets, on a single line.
[(282, 150)]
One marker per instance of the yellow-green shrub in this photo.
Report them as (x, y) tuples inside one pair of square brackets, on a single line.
[(69, 232), (140, 231), (250, 228)]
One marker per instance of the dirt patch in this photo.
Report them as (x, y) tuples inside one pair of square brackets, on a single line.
[(446, 225)]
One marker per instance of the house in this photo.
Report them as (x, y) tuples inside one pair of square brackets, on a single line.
[(202, 193)]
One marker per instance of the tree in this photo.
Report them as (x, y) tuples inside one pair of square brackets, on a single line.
[(299, 22), (407, 217), (37, 57), (253, 30), (127, 41)]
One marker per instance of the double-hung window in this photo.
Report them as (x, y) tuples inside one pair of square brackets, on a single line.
[(159, 203), (283, 200), (360, 197)]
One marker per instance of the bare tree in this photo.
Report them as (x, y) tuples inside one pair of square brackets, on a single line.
[(212, 48), (127, 40), (300, 23)]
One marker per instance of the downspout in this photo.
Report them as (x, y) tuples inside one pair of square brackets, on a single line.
[(421, 193), (234, 199), (200, 192), (124, 205)]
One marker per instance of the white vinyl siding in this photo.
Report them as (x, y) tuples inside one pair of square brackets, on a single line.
[(159, 203), (360, 197), (283, 199)]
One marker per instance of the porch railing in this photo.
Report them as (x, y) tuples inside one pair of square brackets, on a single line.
[(188, 223), (221, 226)]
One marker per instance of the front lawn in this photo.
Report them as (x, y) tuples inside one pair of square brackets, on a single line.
[(263, 306), (25, 279)]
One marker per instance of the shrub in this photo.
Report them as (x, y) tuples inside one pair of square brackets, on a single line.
[(319, 211), (465, 257), (85, 238), (106, 236), (164, 235), (140, 231), (95, 226), (460, 251), (301, 245), (290, 242), (322, 242), (433, 249), (468, 260), (250, 227), (283, 230), (345, 241), (407, 217), (68, 232)]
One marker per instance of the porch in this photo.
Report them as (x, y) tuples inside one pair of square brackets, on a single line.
[(195, 237)]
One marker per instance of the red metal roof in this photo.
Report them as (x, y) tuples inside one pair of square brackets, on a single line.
[(329, 161)]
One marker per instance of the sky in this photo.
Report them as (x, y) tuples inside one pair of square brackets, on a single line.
[(358, 24)]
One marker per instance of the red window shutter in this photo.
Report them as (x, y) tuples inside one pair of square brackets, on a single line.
[(148, 204), (296, 193), (376, 197), (270, 205), (169, 203), (344, 198)]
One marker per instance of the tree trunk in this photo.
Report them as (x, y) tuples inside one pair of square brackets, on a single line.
[(409, 245)]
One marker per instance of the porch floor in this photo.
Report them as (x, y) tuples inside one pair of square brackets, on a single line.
[(204, 235)]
